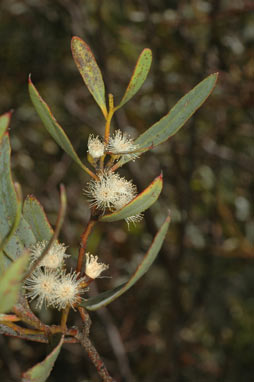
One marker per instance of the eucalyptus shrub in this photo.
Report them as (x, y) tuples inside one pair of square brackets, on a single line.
[(32, 260)]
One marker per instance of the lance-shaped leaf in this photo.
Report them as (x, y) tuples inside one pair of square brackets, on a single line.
[(41, 371), (139, 204), (7, 190), (138, 76), (4, 123), (106, 298), (35, 215), (53, 127), (16, 221), (89, 70), (167, 126), (23, 237), (10, 283)]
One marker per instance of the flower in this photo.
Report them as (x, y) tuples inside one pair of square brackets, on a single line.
[(120, 144), (113, 192), (55, 256), (68, 290), (41, 284), (93, 267), (95, 147), (56, 288), (109, 190)]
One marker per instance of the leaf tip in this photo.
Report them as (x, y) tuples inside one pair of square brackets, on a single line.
[(18, 190), (73, 41), (63, 196), (216, 74), (8, 115), (215, 77), (148, 51), (30, 197), (30, 83), (75, 38)]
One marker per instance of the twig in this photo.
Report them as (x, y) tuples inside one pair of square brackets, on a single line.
[(90, 349), (83, 243), (64, 318)]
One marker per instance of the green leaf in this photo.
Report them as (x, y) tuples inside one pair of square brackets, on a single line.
[(139, 204), (41, 371), (106, 298), (10, 283), (53, 127), (167, 126), (4, 123), (89, 70), (23, 237), (138, 76), (34, 214), (16, 222), (7, 191)]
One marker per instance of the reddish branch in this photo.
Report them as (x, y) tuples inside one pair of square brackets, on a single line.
[(83, 243), (90, 349)]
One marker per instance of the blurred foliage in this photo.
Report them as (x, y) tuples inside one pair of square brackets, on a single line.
[(191, 317)]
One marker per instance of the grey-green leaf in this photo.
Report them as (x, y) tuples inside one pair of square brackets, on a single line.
[(89, 70), (106, 298), (41, 371), (167, 126), (138, 76), (23, 237), (10, 283), (34, 214), (53, 127), (139, 204), (17, 219)]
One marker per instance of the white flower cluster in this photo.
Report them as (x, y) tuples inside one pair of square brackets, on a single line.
[(95, 147), (51, 284), (119, 145), (93, 268), (113, 192), (55, 256), (110, 191)]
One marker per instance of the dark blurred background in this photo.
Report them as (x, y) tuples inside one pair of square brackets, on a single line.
[(191, 317)]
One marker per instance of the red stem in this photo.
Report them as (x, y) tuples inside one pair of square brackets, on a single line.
[(90, 349), (83, 243)]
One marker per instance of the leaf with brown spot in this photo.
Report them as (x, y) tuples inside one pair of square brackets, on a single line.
[(90, 71)]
